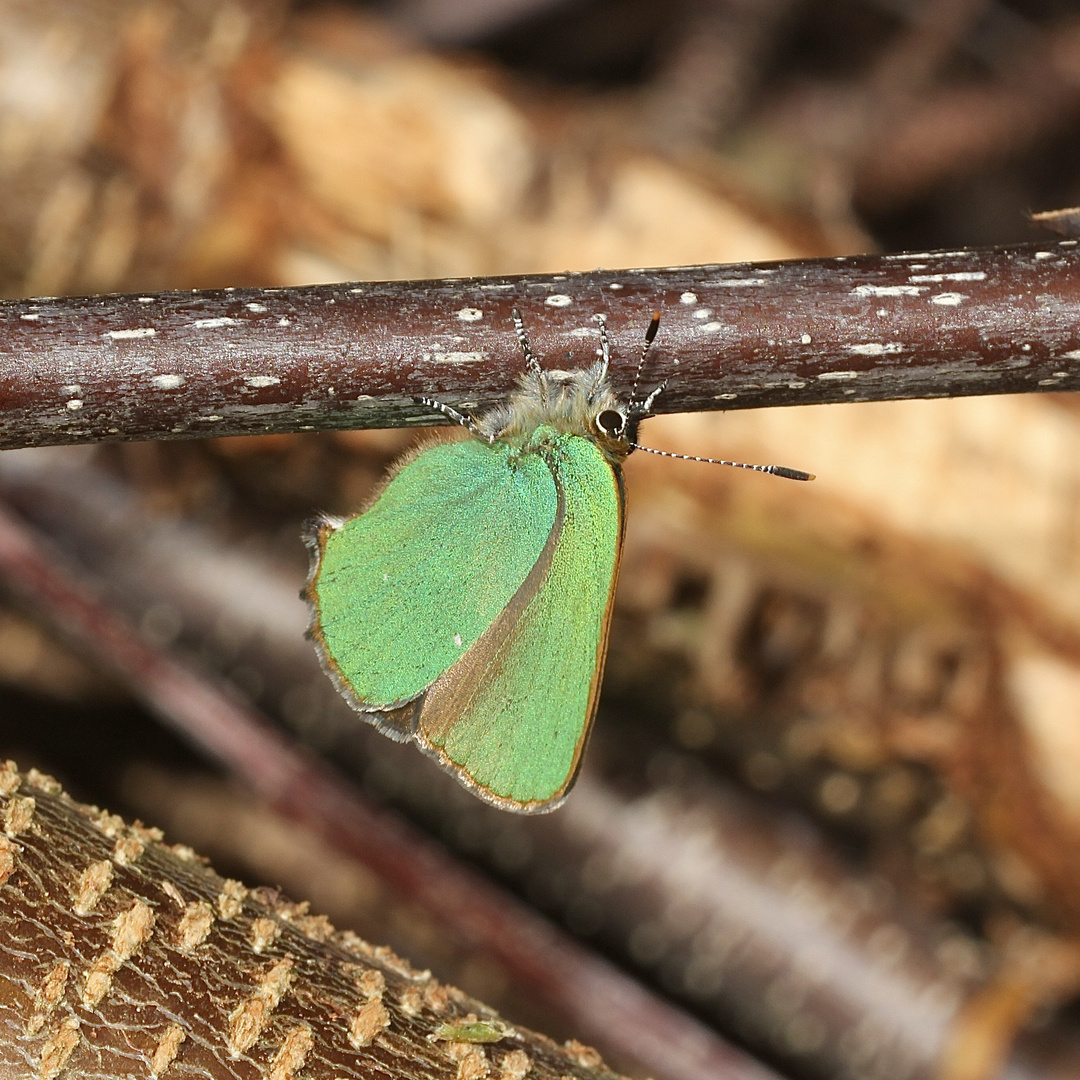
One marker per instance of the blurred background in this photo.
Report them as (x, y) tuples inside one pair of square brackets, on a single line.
[(833, 801)]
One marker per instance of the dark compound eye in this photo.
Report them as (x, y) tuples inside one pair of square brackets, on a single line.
[(611, 423)]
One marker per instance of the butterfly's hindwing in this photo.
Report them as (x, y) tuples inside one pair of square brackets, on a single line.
[(512, 717)]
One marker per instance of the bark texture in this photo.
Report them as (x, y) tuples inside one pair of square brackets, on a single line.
[(123, 956), (251, 361)]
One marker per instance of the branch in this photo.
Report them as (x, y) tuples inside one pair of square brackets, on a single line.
[(122, 956), (246, 361)]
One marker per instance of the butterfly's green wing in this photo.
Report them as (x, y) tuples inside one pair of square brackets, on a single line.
[(402, 591), (512, 716)]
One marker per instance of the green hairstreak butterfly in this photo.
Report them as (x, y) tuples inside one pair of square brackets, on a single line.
[(467, 608)]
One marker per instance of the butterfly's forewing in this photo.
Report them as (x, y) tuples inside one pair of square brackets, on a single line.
[(512, 717), (402, 591)]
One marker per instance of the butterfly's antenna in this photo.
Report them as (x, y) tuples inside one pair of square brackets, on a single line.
[(605, 348), (772, 470), (650, 336), (647, 404)]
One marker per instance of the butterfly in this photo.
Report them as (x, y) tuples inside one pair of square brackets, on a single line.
[(467, 609)]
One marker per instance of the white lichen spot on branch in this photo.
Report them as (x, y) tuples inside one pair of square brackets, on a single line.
[(8, 851), (136, 332), (58, 1048), (230, 901), (195, 925), (133, 929), (48, 995), (889, 290), (964, 275), (167, 1048), (290, 1058), (877, 348), (263, 933), (127, 850)]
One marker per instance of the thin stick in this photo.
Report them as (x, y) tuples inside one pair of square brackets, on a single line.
[(869, 328)]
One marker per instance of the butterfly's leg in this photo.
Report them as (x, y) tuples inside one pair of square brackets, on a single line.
[(451, 413), (526, 348)]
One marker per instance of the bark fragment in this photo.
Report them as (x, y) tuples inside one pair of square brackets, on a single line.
[(135, 984)]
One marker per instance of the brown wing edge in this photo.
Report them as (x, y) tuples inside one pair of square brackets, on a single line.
[(449, 693), (398, 721)]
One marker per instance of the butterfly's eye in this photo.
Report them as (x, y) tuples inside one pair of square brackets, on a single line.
[(611, 423)]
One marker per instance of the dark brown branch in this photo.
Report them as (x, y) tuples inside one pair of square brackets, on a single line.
[(872, 970), (184, 365), (122, 956), (600, 1001)]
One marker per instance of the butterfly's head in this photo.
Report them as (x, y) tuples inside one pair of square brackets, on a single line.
[(564, 402), (614, 429), (580, 402), (550, 403), (614, 422)]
